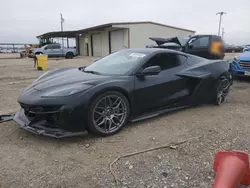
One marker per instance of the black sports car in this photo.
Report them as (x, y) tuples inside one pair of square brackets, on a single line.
[(128, 85)]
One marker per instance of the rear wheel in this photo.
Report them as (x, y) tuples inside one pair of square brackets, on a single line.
[(108, 113), (222, 89), (69, 55)]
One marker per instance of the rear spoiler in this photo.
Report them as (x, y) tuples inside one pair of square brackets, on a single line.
[(160, 41)]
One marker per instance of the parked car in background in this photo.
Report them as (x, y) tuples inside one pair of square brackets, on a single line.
[(206, 46), (246, 48), (241, 64), (54, 50), (233, 49)]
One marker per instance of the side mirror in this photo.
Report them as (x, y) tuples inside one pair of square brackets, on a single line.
[(190, 45), (152, 70)]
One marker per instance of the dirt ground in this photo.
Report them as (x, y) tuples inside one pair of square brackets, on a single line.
[(27, 160)]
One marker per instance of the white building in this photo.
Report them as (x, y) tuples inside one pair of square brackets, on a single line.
[(105, 39)]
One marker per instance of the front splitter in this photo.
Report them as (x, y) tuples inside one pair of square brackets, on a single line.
[(38, 129)]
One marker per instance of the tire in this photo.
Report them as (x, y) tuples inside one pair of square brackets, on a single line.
[(108, 113), (69, 55), (38, 53), (222, 88)]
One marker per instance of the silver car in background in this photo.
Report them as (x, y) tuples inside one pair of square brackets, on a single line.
[(54, 50)]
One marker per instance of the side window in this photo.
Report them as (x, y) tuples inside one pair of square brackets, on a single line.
[(165, 61), (56, 46), (182, 59), (49, 47), (202, 42)]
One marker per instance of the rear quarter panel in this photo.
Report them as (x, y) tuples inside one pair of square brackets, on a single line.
[(213, 68), (203, 73)]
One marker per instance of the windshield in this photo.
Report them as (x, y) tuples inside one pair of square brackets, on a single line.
[(118, 63), (44, 47)]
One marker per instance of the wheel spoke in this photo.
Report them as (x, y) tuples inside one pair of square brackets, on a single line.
[(117, 119), (99, 124), (99, 119), (119, 109), (224, 94), (109, 101), (110, 124), (219, 97), (101, 114), (119, 114), (100, 107), (105, 124), (116, 101), (225, 84), (118, 104)]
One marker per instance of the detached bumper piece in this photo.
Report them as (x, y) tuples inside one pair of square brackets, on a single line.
[(42, 121), (4, 118)]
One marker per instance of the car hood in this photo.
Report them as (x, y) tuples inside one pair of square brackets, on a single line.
[(61, 78), (160, 41), (180, 40), (36, 49), (244, 56)]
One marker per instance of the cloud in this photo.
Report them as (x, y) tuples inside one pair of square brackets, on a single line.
[(22, 21)]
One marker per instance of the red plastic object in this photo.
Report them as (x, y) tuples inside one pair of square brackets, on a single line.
[(232, 169)]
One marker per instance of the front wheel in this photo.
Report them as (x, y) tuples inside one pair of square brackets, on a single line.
[(222, 89), (38, 53), (108, 113)]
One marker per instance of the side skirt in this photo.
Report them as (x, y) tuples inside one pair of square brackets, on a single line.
[(156, 113)]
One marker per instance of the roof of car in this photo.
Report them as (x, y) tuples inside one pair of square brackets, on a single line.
[(148, 50), (153, 50)]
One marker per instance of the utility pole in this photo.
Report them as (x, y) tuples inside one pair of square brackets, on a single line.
[(221, 14), (62, 21), (222, 34)]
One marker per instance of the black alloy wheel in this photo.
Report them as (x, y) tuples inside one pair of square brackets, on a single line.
[(223, 86), (108, 113)]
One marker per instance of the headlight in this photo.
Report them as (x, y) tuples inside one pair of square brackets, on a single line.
[(63, 92), (236, 59)]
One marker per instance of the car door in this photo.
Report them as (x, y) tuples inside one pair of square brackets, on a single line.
[(56, 50), (166, 88), (48, 50), (199, 46)]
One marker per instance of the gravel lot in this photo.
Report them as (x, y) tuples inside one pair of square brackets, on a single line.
[(27, 160)]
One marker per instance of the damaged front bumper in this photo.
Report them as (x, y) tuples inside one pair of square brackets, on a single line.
[(38, 126)]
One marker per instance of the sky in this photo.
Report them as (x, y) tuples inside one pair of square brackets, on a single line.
[(22, 21)]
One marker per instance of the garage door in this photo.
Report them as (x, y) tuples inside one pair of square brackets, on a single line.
[(117, 40), (82, 46), (97, 46)]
